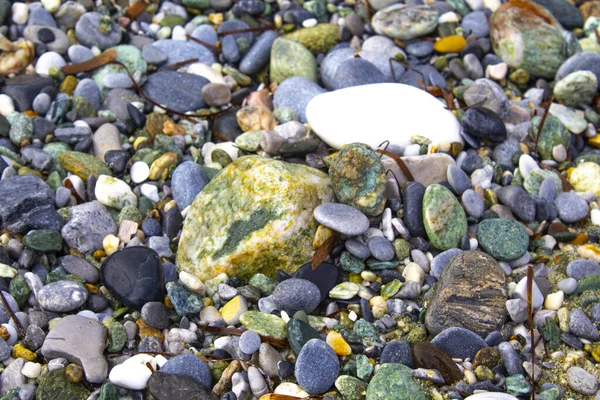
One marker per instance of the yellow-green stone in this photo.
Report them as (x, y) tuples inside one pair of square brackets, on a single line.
[(444, 218)]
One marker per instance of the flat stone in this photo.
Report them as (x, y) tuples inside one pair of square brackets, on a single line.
[(88, 31), (177, 387), (429, 356), (405, 21), (82, 341), (190, 366), (62, 296), (503, 239), (296, 92), (376, 110), (187, 181), (295, 294), (459, 342), (176, 90), (325, 277), (342, 218), (453, 304), (177, 51), (88, 225)]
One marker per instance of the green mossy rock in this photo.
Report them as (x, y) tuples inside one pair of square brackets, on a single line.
[(553, 133), (394, 382), (83, 165), (319, 38), (255, 216), (444, 218), (503, 239), (290, 58), (55, 386)]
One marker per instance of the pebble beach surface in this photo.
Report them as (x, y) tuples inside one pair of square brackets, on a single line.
[(285, 199)]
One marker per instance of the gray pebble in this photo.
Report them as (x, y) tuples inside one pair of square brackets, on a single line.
[(153, 55), (297, 294), (78, 54), (579, 269), (580, 325), (568, 285), (381, 248), (458, 179), (156, 315), (571, 207), (357, 248), (62, 296), (342, 218), (472, 203), (581, 381), (512, 363), (548, 189), (249, 342), (41, 103), (439, 262)]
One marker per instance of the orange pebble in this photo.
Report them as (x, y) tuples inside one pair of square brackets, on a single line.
[(450, 44)]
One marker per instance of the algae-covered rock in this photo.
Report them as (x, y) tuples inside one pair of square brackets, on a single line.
[(525, 35), (256, 215), (319, 38), (290, 58), (55, 386), (443, 217), (394, 382), (553, 134), (83, 165)]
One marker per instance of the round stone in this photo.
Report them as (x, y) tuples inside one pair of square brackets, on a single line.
[(503, 239), (405, 21), (62, 296), (581, 381), (381, 248), (485, 124), (571, 207), (579, 269), (295, 294), (342, 218), (317, 367), (191, 366), (249, 342)]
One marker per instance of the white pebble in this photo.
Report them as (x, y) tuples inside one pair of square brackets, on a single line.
[(48, 60), (179, 33), (473, 243), (470, 376), (526, 165), (6, 105), (386, 224), (400, 228), (595, 216), (110, 244), (140, 171), (150, 191), (483, 177), (20, 13), (192, 283), (591, 131), (559, 153), (51, 5), (549, 242), (497, 71), (414, 272), (133, 373), (309, 23), (113, 192), (374, 232), (31, 370), (448, 17), (412, 150), (554, 300)]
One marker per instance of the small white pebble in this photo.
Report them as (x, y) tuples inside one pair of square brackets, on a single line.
[(473, 243), (192, 283), (374, 232), (6, 105), (51, 5), (352, 316), (309, 23), (110, 244), (591, 131), (526, 165), (285, 317), (559, 153), (595, 216), (20, 13), (470, 376), (412, 150), (31, 370), (554, 300), (179, 33), (497, 72), (150, 191), (448, 17), (140, 171)]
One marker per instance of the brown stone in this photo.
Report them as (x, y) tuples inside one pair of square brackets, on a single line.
[(487, 357), (255, 119), (590, 9), (470, 294), (427, 355)]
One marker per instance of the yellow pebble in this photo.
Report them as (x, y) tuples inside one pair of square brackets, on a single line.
[(594, 350), (216, 19), (338, 344), (171, 128), (110, 244), (450, 44), (139, 141), (321, 236), (234, 308), (160, 166), (68, 85), (595, 141), (19, 351)]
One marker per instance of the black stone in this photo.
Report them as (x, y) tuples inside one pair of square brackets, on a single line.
[(134, 276), (325, 276), (413, 209), (138, 117), (42, 128), (45, 35), (177, 387), (97, 303), (566, 13), (485, 124), (23, 89), (226, 125), (172, 222), (398, 351), (117, 160), (27, 202), (427, 355)]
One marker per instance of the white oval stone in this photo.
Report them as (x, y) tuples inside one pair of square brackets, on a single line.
[(526, 165), (20, 13), (51, 5), (595, 216), (140, 171), (372, 114), (150, 191), (133, 373), (31, 370), (113, 192), (6, 105), (47, 61)]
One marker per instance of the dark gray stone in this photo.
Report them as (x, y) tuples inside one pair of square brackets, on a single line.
[(413, 209), (571, 207), (177, 50), (476, 23), (356, 72), (381, 248), (519, 202), (398, 351), (459, 342), (80, 267), (259, 54), (295, 93), (187, 181), (317, 367), (566, 13), (190, 366), (581, 326), (156, 315), (295, 294), (176, 90), (88, 224)]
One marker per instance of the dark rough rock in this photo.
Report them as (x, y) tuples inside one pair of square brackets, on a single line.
[(175, 387), (471, 294), (459, 342), (176, 90), (23, 89), (325, 277), (413, 206)]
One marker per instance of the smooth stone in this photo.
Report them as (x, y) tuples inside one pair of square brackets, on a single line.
[(22, 89), (87, 226), (503, 239), (519, 202), (581, 381), (317, 367), (88, 31), (295, 294), (176, 90), (134, 276), (484, 124), (190, 366), (27, 202), (394, 382), (82, 341), (571, 207), (88, 89), (264, 324), (325, 277), (299, 333), (78, 53), (205, 33), (399, 352), (250, 342), (62, 296), (579, 269), (381, 248), (458, 179), (269, 219), (356, 72), (472, 203), (259, 54), (296, 93), (331, 63), (566, 13), (443, 216), (177, 387), (459, 342), (342, 218), (584, 61), (153, 55), (177, 51), (476, 22), (290, 58), (405, 21), (429, 356), (469, 272), (106, 138), (187, 181), (59, 44), (581, 326), (577, 88), (384, 104), (133, 373)]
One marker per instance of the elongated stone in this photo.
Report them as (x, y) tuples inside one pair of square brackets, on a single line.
[(444, 218)]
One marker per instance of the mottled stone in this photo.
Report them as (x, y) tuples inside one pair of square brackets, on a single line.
[(471, 294), (443, 217), (405, 21), (394, 382), (290, 58), (319, 38), (272, 226), (553, 133), (427, 355), (503, 239)]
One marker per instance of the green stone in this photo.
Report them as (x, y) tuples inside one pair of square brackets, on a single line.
[(549, 394), (249, 141), (405, 21), (350, 388), (344, 291), (7, 271), (379, 265), (553, 133), (503, 239), (19, 289), (254, 216), (55, 149), (184, 302), (6, 152), (460, 6), (417, 334), (364, 368), (83, 108), (394, 382), (285, 114), (551, 333), (263, 283), (43, 240), (83, 165), (365, 330), (108, 391), (358, 178), (130, 213), (298, 333), (290, 58), (55, 386), (590, 157), (351, 263), (172, 20), (145, 205), (577, 88), (318, 39), (165, 144), (264, 324), (127, 54), (534, 180), (221, 157), (390, 289), (117, 337), (444, 218), (21, 129), (517, 385), (590, 282), (402, 248)]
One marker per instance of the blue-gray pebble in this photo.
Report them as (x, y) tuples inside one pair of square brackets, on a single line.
[(571, 207), (342, 218), (459, 342), (296, 294), (381, 248), (317, 367), (190, 366), (187, 181), (579, 269)]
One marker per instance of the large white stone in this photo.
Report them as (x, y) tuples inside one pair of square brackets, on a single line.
[(372, 114)]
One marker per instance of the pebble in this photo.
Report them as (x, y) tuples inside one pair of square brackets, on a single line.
[(62, 296), (579, 269), (317, 367), (580, 325), (295, 294), (342, 218), (188, 365), (571, 207), (582, 381)]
